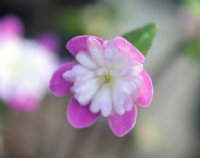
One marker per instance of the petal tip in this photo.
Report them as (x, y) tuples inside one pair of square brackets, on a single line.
[(122, 125), (80, 116), (58, 86), (79, 43), (126, 46)]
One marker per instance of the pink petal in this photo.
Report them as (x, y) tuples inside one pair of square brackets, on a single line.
[(11, 26), (80, 116), (124, 46), (79, 43), (58, 85), (146, 91), (24, 104), (122, 124)]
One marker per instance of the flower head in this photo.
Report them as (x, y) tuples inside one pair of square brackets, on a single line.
[(25, 67), (107, 79)]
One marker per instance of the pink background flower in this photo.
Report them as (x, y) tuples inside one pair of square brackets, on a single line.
[(25, 67)]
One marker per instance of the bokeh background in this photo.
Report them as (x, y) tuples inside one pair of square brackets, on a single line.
[(169, 128)]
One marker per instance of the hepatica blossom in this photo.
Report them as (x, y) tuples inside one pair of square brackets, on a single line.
[(25, 67), (107, 79)]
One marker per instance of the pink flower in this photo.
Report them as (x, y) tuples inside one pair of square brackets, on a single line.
[(25, 67), (107, 80)]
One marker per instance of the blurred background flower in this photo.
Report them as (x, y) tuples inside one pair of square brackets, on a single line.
[(25, 66), (169, 128)]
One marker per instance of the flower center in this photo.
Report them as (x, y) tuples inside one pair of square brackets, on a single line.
[(107, 78)]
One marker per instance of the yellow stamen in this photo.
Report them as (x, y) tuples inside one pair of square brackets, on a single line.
[(107, 78)]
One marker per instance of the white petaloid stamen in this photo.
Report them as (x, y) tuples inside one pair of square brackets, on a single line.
[(102, 101), (84, 60), (105, 79)]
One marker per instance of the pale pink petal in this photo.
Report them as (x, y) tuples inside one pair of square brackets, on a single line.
[(122, 124), (80, 116), (146, 91), (58, 85), (86, 90), (102, 101), (128, 103), (79, 43), (85, 60), (11, 26), (24, 104), (124, 46), (96, 50)]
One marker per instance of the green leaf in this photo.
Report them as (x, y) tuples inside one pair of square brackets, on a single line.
[(142, 38)]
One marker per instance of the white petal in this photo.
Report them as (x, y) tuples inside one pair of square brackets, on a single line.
[(132, 71), (133, 84), (138, 69), (137, 83), (102, 101), (109, 56), (110, 45), (128, 104), (100, 71), (95, 106), (84, 77), (118, 98), (96, 50), (77, 71), (69, 75), (85, 91), (84, 60), (124, 86)]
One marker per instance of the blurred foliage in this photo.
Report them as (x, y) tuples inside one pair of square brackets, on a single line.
[(3, 111), (98, 19), (143, 37), (70, 21), (193, 6), (91, 19), (193, 49)]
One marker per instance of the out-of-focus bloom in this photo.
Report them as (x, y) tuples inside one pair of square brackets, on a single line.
[(107, 79), (25, 67), (50, 41), (190, 22), (190, 17)]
